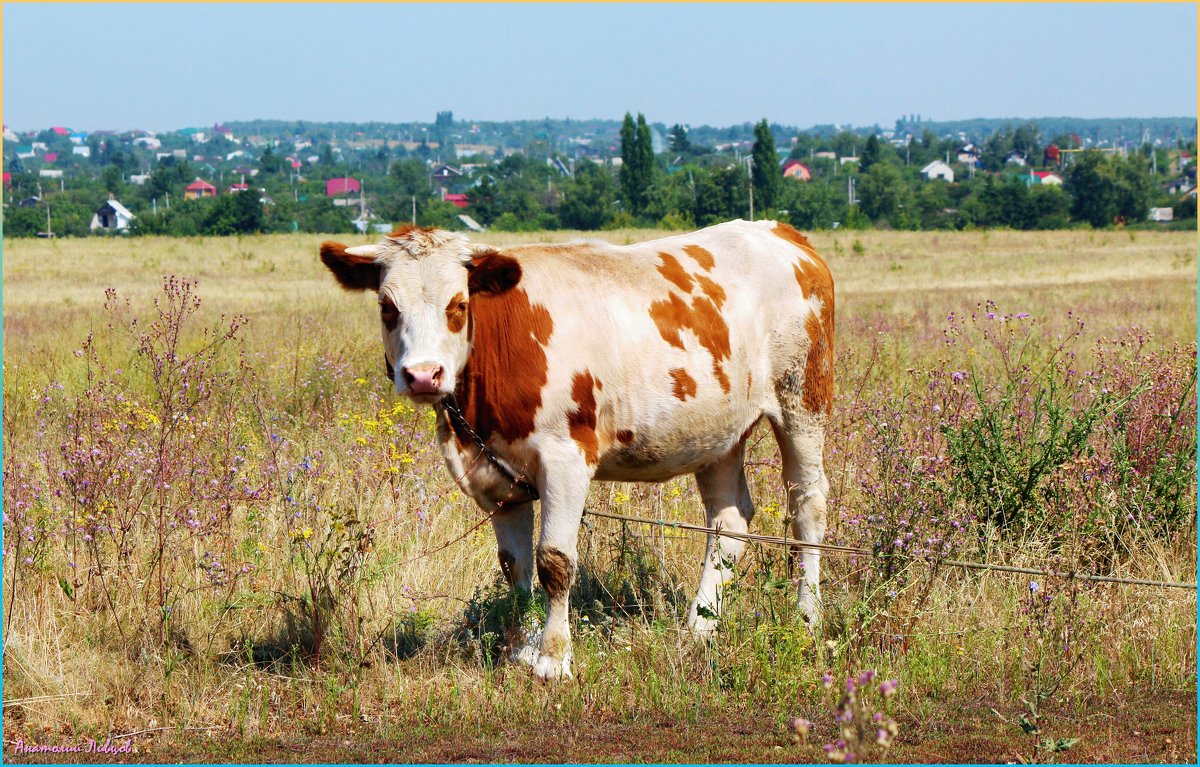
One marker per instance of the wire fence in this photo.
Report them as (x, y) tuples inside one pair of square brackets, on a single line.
[(837, 549)]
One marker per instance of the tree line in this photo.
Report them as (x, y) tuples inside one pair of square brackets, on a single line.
[(684, 185)]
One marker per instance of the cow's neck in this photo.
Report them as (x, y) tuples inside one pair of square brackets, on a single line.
[(500, 389)]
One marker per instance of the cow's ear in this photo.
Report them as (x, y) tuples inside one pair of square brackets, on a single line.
[(492, 273), (354, 271)]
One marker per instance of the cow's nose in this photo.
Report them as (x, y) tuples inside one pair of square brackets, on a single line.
[(423, 379)]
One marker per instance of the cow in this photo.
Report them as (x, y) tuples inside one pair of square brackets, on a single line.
[(550, 366)]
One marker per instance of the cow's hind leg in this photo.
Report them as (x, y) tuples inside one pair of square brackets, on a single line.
[(801, 437), (727, 506), (514, 546)]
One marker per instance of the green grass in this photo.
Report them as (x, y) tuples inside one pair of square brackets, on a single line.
[(642, 683)]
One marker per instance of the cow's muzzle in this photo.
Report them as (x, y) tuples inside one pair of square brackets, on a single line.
[(424, 379)]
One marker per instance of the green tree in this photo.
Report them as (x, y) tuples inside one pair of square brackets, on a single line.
[(871, 154), (882, 193), (1092, 185), (765, 174), (637, 164), (679, 142), (588, 199)]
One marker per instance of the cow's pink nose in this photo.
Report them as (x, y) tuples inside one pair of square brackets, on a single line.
[(423, 379)]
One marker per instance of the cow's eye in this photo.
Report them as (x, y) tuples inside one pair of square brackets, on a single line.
[(462, 306), (389, 313)]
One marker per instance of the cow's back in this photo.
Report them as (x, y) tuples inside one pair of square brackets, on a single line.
[(660, 355)]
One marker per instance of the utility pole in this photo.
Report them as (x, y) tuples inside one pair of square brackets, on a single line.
[(414, 210)]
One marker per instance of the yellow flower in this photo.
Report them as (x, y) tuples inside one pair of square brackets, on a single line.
[(360, 381), (306, 533), (620, 498)]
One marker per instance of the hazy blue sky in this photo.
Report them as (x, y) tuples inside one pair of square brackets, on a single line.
[(118, 66)]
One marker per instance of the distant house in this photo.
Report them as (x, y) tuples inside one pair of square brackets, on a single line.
[(1015, 157), (968, 154), (199, 188), (49, 173), (458, 199), (1047, 177), (60, 131), (1178, 185), (1182, 162), (238, 187), (938, 169), (340, 186), (112, 216), (51, 157), (30, 202), (794, 169), (82, 151), (826, 155), (8, 179), (847, 160), (446, 173), (1162, 215), (139, 179)]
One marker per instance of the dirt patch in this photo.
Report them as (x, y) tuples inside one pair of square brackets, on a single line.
[(1154, 727)]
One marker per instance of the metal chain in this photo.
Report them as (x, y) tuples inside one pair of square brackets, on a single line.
[(451, 406)]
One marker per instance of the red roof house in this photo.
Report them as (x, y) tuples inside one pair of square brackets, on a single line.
[(51, 156), (61, 131), (7, 179), (199, 188), (797, 170), (239, 187), (458, 199), (336, 186)]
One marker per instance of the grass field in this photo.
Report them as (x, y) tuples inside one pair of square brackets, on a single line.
[(227, 536)]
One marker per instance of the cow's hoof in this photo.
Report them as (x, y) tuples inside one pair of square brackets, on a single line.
[(526, 655), (550, 669)]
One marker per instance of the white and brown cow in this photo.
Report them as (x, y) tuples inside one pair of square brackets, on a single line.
[(591, 361)]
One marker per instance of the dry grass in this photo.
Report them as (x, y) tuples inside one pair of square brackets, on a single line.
[(70, 676)]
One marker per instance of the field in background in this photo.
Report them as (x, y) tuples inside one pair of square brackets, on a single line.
[(301, 475)]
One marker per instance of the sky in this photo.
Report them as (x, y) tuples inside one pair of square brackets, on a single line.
[(169, 66)]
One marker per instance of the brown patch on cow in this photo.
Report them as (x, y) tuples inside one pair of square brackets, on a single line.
[(352, 272), (702, 256), (816, 282), (749, 383), (500, 389), (582, 420), (711, 289), (818, 367), (673, 271), (685, 385), (456, 313), (388, 313), (493, 273), (702, 318), (404, 230), (625, 437), (555, 571), (791, 235)]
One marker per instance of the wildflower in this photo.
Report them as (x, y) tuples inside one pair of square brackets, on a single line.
[(826, 679), (306, 533), (1033, 587), (798, 728), (888, 687)]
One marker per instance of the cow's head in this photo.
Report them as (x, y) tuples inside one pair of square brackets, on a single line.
[(426, 279)]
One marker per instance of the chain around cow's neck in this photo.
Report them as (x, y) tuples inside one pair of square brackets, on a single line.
[(455, 414)]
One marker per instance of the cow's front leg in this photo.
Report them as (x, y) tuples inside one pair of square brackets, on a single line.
[(564, 485), (514, 546)]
